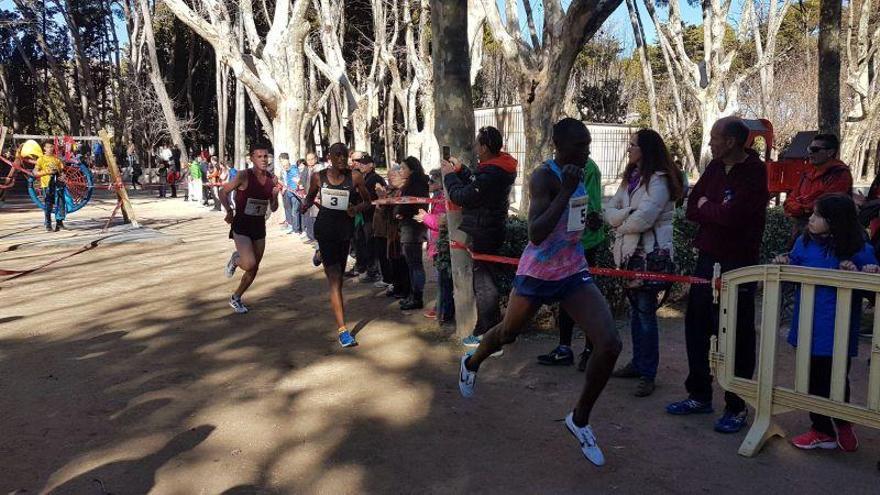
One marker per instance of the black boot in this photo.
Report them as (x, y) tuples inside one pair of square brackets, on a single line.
[(415, 302), (60, 226)]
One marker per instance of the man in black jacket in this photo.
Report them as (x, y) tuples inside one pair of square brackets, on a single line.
[(484, 199)]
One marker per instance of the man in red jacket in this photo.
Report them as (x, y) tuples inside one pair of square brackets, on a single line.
[(828, 175), (729, 203)]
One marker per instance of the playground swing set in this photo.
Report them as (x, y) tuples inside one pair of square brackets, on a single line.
[(78, 177)]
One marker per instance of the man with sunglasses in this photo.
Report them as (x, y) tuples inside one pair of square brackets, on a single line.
[(827, 175)]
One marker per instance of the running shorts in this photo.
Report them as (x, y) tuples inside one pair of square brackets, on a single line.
[(549, 291), (334, 251), (255, 232)]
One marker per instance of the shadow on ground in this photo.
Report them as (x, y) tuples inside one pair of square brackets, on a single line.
[(123, 371)]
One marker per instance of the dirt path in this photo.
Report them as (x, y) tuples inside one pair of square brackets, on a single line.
[(122, 370)]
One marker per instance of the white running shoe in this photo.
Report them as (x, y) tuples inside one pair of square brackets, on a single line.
[(587, 439), (232, 264), (237, 305), (467, 380)]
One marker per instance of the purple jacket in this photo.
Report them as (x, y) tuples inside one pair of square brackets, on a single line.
[(731, 222)]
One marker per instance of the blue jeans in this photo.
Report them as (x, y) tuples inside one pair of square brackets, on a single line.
[(53, 200), (292, 204), (309, 226), (645, 334)]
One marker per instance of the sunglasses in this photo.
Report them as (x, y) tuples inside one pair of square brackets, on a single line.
[(816, 149)]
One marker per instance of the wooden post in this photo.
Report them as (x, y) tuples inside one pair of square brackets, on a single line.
[(116, 178), (454, 127)]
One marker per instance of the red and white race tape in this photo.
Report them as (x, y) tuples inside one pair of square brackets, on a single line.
[(606, 272), (407, 200)]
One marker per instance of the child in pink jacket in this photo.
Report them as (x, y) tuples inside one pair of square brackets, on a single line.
[(435, 221)]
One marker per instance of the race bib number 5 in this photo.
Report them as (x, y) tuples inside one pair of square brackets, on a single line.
[(577, 214), (256, 207), (334, 199)]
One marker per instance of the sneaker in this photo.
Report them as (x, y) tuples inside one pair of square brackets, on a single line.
[(814, 440), (587, 439), (381, 285), (368, 278), (60, 226), (645, 387), (731, 422), (628, 371), (430, 314), (561, 356), (237, 305), (346, 339), (391, 291), (351, 273), (846, 437), (316, 258), (689, 406), (582, 360), (471, 341), (232, 264), (412, 303), (467, 379), (49, 228)]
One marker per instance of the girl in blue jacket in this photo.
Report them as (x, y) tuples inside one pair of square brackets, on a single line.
[(833, 239)]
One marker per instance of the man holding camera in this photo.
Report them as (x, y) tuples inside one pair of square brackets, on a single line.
[(484, 198)]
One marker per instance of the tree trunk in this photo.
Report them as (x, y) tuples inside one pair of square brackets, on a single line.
[(647, 72), (538, 114), (829, 66), (709, 112), (455, 128), (90, 97), (238, 143), (159, 84), (222, 108)]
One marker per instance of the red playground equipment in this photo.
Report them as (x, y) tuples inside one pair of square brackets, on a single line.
[(784, 173)]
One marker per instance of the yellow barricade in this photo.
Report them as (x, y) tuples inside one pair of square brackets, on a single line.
[(763, 393)]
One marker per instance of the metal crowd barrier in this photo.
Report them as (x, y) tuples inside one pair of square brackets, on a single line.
[(763, 393)]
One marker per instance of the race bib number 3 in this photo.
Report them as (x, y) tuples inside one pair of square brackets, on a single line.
[(256, 207), (334, 199), (577, 214)]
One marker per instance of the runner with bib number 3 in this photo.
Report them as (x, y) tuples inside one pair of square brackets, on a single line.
[(256, 192), (334, 225)]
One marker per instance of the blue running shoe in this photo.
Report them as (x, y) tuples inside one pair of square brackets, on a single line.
[(471, 341), (467, 379), (346, 339), (730, 422), (689, 406)]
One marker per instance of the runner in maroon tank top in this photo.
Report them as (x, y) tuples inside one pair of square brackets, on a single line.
[(256, 192)]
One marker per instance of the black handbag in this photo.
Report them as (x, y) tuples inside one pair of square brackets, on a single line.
[(657, 261)]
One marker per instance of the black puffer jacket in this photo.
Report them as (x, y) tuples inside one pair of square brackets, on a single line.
[(484, 198)]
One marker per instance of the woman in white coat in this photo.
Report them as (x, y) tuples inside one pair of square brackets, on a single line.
[(641, 215)]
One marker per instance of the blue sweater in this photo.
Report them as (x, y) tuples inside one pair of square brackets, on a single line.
[(815, 255), (291, 177)]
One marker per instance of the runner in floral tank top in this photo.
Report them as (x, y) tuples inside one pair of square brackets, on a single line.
[(552, 269), (561, 255)]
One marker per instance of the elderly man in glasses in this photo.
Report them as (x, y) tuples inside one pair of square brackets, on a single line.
[(828, 175)]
